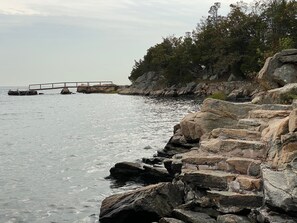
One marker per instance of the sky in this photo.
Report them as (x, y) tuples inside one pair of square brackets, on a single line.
[(44, 41)]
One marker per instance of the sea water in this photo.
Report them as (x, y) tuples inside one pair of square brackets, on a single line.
[(56, 150)]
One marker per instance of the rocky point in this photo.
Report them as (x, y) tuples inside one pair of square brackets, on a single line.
[(227, 163)]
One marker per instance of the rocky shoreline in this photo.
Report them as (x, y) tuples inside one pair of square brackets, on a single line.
[(232, 90), (225, 163), (229, 162)]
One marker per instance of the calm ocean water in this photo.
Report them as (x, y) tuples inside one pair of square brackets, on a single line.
[(56, 150)]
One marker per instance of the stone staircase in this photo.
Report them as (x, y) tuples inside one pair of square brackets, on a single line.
[(227, 163), (225, 168)]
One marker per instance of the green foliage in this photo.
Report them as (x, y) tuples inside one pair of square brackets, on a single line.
[(220, 45), (286, 43), (218, 95), (288, 98)]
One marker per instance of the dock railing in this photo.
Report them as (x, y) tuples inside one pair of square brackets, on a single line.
[(60, 85)]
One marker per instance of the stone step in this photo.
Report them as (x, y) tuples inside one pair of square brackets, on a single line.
[(234, 148), (242, 134), (237, 165), (272, 107), (249, 183), (245, 166), (221, 180), (192, 216), (268, 114), (249, 124), (231, 202), (208, 178), (203, 160)]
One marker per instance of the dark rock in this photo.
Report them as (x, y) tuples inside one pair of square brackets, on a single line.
[(173, 166), (129, 171), (126, 170), (106, 88), (171, 150), (22, 93), (176, 145), (156, 174), (170, 220), (153, 160), (65, 90), (192, 217), (144, 205), (147, 148), (230, 218), (175, 128), (208, 179)]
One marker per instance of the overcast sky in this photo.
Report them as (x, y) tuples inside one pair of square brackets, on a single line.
[(84, 40)]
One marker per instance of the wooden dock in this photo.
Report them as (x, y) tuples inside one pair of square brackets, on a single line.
[(61, 85)]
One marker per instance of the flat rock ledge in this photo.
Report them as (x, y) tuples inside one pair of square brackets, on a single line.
[(227, 163)]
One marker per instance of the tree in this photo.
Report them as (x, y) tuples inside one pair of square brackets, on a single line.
[(220, 45)]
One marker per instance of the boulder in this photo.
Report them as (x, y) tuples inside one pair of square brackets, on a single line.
[(286, 74), (264, 76), (126, 170), (279, 70), (280, 188), (282, 95), (214, 114), (288, 56), (153, 174), (144, 205), (129, 171)]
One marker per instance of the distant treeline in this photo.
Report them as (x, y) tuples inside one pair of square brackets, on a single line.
[(235, 44)]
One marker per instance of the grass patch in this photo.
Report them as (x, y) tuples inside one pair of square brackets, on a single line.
[(218, 95)]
